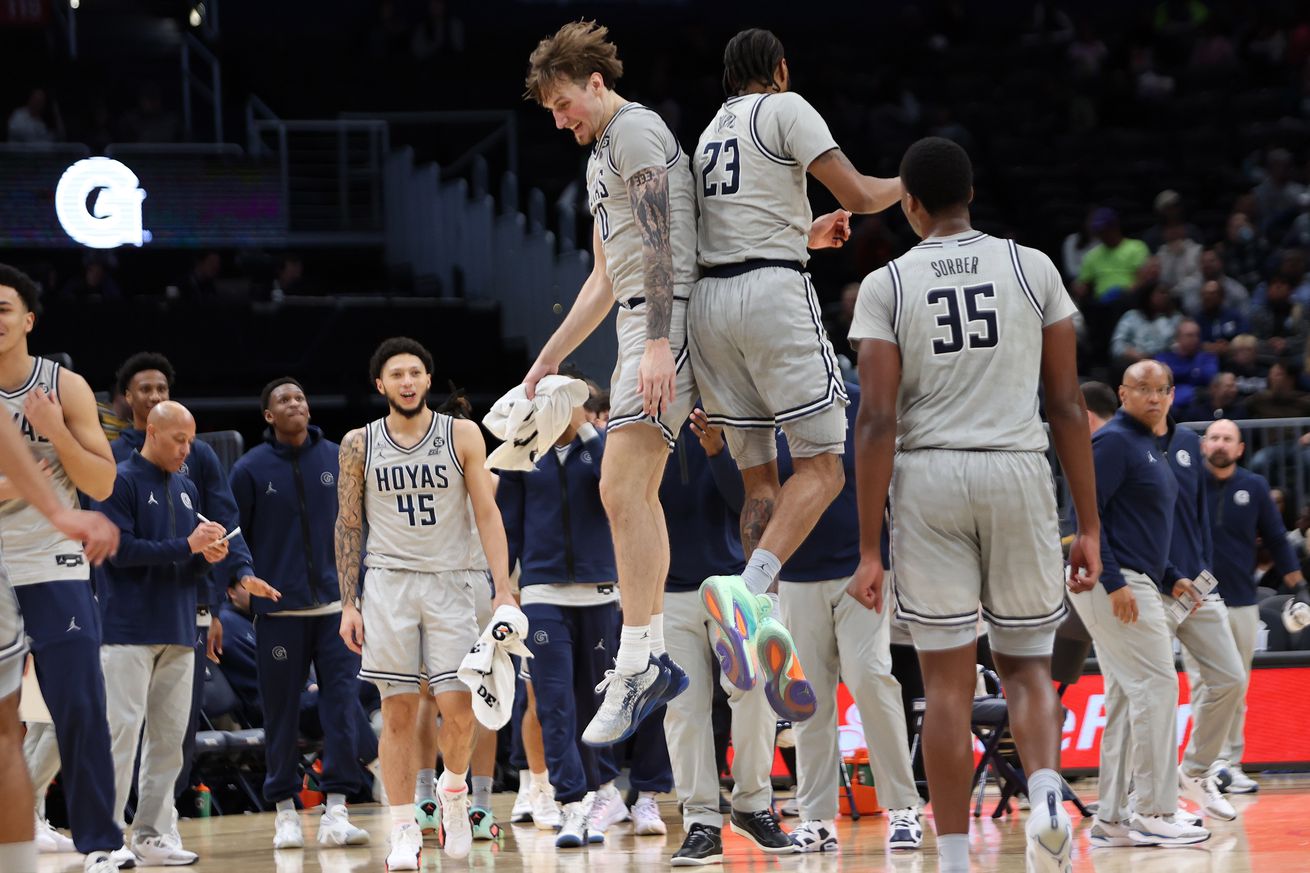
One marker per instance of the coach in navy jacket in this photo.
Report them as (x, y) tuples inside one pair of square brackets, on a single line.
[(286, 495)]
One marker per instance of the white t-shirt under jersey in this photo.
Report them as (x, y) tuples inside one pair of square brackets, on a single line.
[(967, 312), (749, 169)]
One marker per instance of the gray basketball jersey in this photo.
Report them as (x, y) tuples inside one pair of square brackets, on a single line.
[(415, 501), (967, 312), (477, 557), (30, 547), (749, 167), (636, 139)]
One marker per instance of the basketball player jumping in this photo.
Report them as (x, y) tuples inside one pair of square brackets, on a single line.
[(639, 189), (760, 353), (411, 475), (956, 334)]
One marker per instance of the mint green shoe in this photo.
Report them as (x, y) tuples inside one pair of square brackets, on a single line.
[(737, 614), (428, 816), (484, 824)]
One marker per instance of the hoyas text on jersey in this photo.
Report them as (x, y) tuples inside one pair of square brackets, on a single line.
[(402, 477)]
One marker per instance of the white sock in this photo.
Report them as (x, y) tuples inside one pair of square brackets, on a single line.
[(953, 853), (541, 779), (657, 635), (607, 790), (642, 795), (402, 815), (18, 857), (761, 570), (288, 805), (481, 792), (1042, 783), (454, 783), (423, 787), (634, 649), (525, 778), (335, 800)]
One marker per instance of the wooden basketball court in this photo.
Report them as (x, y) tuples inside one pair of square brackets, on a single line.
[(1271, 834)]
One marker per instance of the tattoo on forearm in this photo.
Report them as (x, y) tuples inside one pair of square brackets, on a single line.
[(754, 519), (349, 530), (648, 191)]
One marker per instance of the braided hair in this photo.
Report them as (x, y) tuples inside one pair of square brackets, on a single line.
[(751, 56)]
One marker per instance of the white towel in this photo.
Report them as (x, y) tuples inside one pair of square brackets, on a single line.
[(530, 427), (488, 671)]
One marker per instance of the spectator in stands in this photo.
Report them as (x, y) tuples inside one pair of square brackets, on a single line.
[(1180, 257), (289, 278), (1278, 196), (1193, 367), (1169, 213), (1110, 267), (36, 121), (1221, 401), (1233, 294), (201, 284), (1282, 399), (1076, 246), (1280, 324), (1219, 324), (95, 284), (1244, 250), (148, 120), (1244, 363), (1147, 329)]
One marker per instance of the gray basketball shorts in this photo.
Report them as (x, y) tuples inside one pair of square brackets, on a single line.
[(13, 641), (625, 401), (419, 626), (975, 529), (763, 360)]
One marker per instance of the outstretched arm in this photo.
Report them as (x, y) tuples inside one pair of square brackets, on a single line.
[(854, 190), (593, 303)]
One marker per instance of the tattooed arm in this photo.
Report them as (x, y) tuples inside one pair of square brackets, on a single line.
[(349, 536), (648, 190)]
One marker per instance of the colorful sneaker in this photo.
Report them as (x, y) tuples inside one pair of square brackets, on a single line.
[(785, 685), (627, 701), (735, 612), (428, 815), (484, 824)]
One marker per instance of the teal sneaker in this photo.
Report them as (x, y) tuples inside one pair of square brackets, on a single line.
[(484, 824), (428, 816), (736, 612)]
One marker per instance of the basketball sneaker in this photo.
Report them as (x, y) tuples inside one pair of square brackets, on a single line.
[(99, 862), (1165, 830), (545, 811), (1232, 780), (336, 829), (573, 824), (484, 824), (522, 810), (904, 832), (286, 831), (456, 828), (50, 841), (427, 814), (1204, 792), (678, 680), (646, 820), (628, 699), (788, 691), (607, 810), (406, 847), (1050, 836), (158, 851), (815, 836), (735, 612)]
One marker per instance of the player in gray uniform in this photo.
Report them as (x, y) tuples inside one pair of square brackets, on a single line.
[(411, 476), (758, 346), (955, 335), (98, 539), (639, 190)]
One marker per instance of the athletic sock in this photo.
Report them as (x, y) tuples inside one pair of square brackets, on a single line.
[(481, 793), (423, 788), (541, 779), (634, 649), (18, 857), (334, 800), (953, 853), (288, 805), (657, 635), (453, 783), (402, 815), (1042, 783), (761, 570)]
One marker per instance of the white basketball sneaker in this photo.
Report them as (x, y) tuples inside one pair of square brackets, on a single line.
[(287, 833), (406, 846)]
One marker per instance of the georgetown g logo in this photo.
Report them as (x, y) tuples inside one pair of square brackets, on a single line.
[(98, 203)]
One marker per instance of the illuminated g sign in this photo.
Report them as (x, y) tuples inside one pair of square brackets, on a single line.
[(98, 203)]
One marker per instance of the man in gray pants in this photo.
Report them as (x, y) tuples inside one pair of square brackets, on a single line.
[(147, 595), (702, 497), (842, 639), (1205, 634), (1125, 614)]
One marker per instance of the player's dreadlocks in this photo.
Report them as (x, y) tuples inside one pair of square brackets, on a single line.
[(751, 56)]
